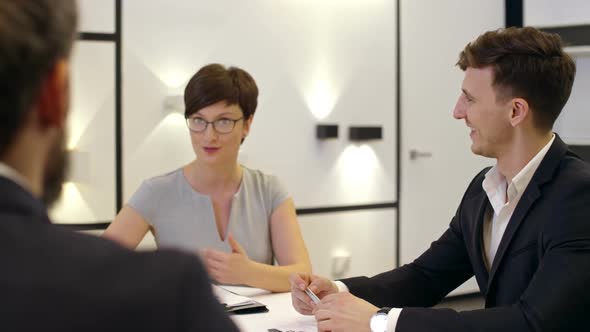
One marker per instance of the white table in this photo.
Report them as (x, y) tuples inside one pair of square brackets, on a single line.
[(281, 314)]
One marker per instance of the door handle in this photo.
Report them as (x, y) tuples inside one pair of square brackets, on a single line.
[(415, 154)]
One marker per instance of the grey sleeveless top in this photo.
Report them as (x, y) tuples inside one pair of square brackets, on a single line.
[(184, 219)]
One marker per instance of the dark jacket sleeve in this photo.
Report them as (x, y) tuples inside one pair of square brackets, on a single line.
[(424, 282), (428, 279), (199, 309), (556, 298)]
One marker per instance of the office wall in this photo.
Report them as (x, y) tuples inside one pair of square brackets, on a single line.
[(89, 194), (351, 243), (549, 13), (96, 16), (574, 122), (314, 61), (432, 35)]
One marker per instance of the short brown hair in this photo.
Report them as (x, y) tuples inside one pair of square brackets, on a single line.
[(214, 83), (34, 34), (526, 63)]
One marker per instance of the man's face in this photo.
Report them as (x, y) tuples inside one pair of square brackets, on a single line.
[(57, 165), (486, 116), (55, 170)]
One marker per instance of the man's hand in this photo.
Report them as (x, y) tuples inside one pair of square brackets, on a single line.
[(344, 312), (320, 286)]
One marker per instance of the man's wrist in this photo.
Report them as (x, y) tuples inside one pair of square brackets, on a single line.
[(339, 286), (378, 322)]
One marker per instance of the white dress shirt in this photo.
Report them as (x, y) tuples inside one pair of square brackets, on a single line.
[(504, 201), (10, 173), (495, 224)]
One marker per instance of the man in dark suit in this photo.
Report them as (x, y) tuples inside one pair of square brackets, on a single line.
[(52, 279), (522, 227)]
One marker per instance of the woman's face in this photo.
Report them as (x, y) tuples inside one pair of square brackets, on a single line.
[(212, 146)]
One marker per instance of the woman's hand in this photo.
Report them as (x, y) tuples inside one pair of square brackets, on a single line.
[(229, 268)]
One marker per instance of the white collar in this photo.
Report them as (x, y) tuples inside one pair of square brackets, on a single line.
[(12, 174), (495, 183)]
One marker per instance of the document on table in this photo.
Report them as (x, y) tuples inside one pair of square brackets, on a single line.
[(302, 324), (237, 304)]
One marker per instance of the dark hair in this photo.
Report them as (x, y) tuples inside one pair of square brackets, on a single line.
[(526, 63), (214, 83), (34, 34)]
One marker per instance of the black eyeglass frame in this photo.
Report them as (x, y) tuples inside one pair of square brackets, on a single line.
[(213, 123)]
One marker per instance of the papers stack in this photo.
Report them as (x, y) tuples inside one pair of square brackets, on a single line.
[(237, 304)]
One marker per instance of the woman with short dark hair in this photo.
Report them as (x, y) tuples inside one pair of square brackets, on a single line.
[(238, 219)]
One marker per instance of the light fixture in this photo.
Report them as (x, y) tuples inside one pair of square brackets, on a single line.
[(364, 133), (326, 131), (174, 104), (80, 167)]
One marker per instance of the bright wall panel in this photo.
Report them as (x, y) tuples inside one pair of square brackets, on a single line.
[(314, 62)]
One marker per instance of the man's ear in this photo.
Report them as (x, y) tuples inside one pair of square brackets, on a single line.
[(520, 111), (54, 95)]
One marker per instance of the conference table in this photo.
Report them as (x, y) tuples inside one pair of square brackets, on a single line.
[(280, 316)]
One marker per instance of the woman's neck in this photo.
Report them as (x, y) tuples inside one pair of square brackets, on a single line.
[(214, 179)]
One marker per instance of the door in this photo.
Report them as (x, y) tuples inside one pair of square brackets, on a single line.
[(436, 160)]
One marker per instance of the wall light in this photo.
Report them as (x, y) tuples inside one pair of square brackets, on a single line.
[(326, 131), (174, 104), (365, 133), (80, 167)]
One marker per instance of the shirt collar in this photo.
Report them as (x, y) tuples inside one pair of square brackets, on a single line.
[(12, 174), (495, 183), (521, 179)]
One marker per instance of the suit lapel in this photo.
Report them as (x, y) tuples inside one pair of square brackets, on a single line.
[(526, 201), (543, 174), (480, 268)]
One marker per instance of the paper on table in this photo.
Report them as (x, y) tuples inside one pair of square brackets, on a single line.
[(301, 324), (228, 298), (236, 303)]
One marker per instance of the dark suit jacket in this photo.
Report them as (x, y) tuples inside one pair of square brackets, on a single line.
[(52, 279), (540, 277)]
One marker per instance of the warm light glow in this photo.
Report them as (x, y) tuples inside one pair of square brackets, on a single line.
[(71, 206), (321, 96), (174, 78), (76, 127), (175, 120), (170, 136), (358, 167), (79, 166)]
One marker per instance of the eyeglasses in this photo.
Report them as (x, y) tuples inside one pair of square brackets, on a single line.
[(221, 126)]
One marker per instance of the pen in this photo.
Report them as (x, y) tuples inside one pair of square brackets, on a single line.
[(312, 296)]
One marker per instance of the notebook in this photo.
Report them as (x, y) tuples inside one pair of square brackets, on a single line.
[(237, 304)]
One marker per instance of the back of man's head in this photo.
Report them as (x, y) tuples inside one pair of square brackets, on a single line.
[(526, 63), (34, 34)]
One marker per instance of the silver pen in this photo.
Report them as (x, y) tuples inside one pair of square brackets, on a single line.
[(312, 296)]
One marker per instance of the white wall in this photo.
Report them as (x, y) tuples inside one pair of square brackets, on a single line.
[(348, 244), (432, 35), (335, 57), (573, 124), (89, 194), (315, 62), (550, 13), (96, 16)]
